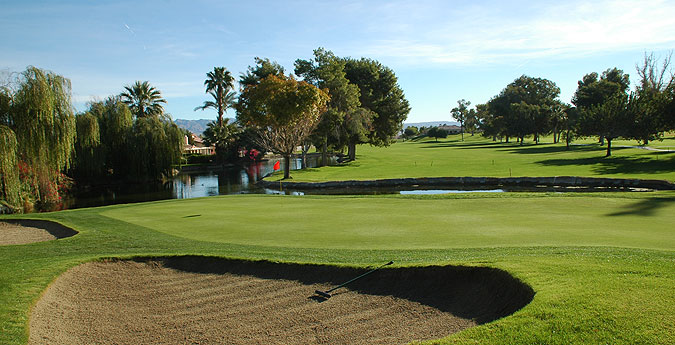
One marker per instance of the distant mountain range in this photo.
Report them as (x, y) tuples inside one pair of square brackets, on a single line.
[(198, 126), (195, 126), (430, 124)]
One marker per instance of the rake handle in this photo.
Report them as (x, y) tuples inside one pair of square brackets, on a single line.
[(361, 276)]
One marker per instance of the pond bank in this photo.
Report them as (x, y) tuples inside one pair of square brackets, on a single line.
[(570, 182)]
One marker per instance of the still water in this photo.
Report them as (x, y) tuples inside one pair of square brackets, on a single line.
[(194, 184), (232, 180)]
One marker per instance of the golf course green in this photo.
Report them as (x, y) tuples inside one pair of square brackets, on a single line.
[(405, 222), (602, 265), (478, 156)]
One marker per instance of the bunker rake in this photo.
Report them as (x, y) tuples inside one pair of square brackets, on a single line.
[(326, 294)]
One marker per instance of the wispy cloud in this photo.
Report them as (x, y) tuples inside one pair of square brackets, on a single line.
[(484, 35), (128, 28)]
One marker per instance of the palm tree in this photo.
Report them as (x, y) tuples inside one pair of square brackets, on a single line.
[(143, 100), (218, 84), (222, 137)]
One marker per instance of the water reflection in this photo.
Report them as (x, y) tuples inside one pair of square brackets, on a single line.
[(448, 191), (242, 180), (193, 184), (234, 180), (375, 191)]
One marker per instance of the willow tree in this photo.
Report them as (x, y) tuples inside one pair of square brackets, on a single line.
[(89, 158), (111, 145), (40, 116), (283, 111), (115, 122), (155, 146), (9, 178)]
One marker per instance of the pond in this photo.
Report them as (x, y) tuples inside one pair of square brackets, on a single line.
[(190, 184), (242, 180)]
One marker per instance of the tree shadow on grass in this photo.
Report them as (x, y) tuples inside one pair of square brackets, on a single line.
[(619, 165), (552, 148), (463, 145), (644, 208)]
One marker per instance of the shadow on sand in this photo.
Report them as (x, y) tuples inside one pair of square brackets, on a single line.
[(478, 293), (55, 229)]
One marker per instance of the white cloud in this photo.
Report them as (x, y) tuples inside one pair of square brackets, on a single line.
[(491, 35)]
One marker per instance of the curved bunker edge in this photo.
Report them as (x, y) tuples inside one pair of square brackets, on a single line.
[(481, 294), (55, 229)]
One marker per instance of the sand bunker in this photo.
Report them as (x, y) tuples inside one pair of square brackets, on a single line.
[(22, 231), (199, 300)]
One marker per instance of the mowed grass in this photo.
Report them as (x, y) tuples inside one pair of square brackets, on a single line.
[(478, 156), (409, 222), (602, 265)]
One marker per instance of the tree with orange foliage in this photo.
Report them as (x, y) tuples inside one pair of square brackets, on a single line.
[(283, 112)]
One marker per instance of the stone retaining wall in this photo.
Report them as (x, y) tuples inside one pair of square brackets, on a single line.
[(556, 181)]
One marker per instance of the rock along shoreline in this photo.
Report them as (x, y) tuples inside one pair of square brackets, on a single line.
[(555, 181)]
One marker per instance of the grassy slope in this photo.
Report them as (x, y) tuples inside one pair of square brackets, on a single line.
[(477, 156), (584, 295)]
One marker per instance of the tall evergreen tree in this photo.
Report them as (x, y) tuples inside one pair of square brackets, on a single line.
[(594, 89), (610, 119), (262, 69), (344, 121), (592, 92), (381, 94), (524, 107)]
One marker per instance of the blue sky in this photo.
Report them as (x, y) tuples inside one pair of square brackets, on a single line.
[(441, 51)]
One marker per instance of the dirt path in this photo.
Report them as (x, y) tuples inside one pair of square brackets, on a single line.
[(29, 231), (127, 302)]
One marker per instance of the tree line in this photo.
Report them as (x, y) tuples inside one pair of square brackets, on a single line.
[(337, 104), (45, 147), (603, 106)]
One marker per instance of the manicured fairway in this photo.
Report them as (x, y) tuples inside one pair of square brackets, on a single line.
[(451, 221), (593, 285), (478, 156), (602, 265)]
